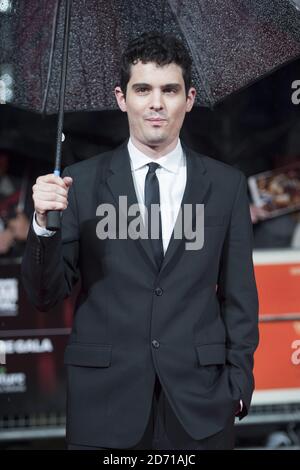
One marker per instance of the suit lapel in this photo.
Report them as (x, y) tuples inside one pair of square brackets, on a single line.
[(120, 183), (196, 191)]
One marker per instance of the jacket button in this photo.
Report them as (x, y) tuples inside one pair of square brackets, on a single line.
[(158, 291), (155, 344)]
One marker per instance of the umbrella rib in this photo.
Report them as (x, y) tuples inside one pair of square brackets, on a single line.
[(49, 73), (62, 88), (195, 59)]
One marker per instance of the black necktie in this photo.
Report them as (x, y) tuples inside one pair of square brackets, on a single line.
[(152, 197)]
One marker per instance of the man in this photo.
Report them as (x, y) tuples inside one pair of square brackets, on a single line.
[(161, 351)]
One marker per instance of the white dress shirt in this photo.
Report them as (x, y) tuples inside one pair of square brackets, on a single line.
[(172, 181)]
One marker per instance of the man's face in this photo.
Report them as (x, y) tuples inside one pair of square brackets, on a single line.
[(155, 103)]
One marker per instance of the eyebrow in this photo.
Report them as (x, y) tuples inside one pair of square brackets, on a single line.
[(177, 86)]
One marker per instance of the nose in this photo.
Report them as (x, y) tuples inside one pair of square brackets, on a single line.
[(156, 101)]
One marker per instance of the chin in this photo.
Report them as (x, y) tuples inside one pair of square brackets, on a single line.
[(156, 140)]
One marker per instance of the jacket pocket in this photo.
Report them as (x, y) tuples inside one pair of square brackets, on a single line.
[(211, 354), (88, 355)]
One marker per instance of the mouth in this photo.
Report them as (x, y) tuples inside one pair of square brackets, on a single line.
[(156, 121)]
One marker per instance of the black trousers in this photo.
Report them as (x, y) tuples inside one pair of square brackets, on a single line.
[(165, 432)]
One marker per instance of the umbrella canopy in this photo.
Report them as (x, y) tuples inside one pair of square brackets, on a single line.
[(247, 125), (233, 43)]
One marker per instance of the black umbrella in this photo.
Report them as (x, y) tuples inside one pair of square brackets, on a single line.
[(233, 44), (53, 217)]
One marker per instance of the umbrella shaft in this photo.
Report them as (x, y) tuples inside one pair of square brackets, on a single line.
[(62, 87)]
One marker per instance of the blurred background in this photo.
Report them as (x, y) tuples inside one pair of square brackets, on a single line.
[(247, 72)]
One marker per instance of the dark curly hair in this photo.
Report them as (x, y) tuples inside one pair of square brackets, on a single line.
[(162, 49)]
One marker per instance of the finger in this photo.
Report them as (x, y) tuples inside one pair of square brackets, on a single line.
[(49, 196), (41, 207), (51, 179), (50, 187), (68, 180)]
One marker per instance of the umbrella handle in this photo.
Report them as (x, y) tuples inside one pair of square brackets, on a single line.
[(53, 220), (53, 217)]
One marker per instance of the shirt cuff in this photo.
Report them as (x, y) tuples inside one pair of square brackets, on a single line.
[(240, 408), (41, 231)]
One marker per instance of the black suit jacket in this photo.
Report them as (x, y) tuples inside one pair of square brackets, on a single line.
[(194, 322)]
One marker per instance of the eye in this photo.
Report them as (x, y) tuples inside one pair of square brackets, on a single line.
[(170, 90), (142, 90)]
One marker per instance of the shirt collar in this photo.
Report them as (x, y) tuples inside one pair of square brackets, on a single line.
[(171, 161)]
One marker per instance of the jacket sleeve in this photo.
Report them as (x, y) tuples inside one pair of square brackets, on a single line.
[(238, 298), (50, 264)]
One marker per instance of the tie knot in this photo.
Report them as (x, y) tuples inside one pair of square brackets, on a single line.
[(153, 167)]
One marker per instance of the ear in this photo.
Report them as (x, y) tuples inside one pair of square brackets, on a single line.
[(190, 99), (121, 99)]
